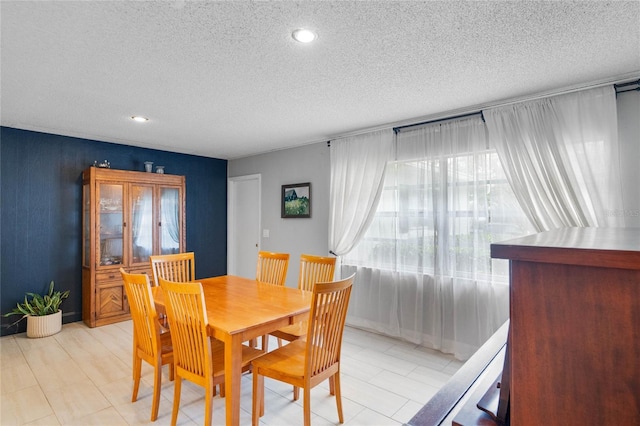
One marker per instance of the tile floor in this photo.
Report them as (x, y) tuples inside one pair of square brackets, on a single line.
[(82, 376)]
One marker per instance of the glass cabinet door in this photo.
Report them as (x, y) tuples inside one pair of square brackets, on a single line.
[(110, 222), (169, 220), (141, 223)]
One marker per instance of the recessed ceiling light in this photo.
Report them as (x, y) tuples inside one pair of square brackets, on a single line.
[(303, 35), (139, 118)]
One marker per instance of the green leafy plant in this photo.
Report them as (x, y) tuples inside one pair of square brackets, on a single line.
[(38, 305)]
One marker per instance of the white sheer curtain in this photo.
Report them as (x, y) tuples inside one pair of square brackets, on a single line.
[(424, 271), (357, 172), (561, 157)]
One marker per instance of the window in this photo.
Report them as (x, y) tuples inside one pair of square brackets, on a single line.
[(438, 216), (423, 266)]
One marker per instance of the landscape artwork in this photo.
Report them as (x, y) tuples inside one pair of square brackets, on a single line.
[(296, 200)]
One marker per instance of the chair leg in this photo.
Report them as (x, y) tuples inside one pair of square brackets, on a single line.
[(137, 366), (172, 372), (279, 342), (332, 389), (261, 383), (296, 390), (157, 386), (336, 381), (307, 406), (176, 400), (258, 398), (208, 403)]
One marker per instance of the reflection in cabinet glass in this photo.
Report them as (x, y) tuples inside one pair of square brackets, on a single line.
[(110, 224), (142, 223), (170, 222)]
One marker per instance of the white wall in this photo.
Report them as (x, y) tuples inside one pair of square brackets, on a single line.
[(629, 137), (308, 163)]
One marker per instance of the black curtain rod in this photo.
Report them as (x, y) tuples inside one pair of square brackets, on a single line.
[(637, 89), (630, 83), (471, 114)]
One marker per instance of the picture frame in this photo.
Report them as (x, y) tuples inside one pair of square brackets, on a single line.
[(296, 201)]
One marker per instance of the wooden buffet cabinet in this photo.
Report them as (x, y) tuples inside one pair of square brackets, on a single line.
[(572, 355), (126, 217), (573, 351)]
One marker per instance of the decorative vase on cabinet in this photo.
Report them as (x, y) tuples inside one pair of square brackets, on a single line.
[(127, 217)]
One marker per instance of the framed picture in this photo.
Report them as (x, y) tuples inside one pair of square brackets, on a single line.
[(296, 200)]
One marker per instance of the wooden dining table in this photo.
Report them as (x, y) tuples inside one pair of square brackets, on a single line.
[(240, 309)]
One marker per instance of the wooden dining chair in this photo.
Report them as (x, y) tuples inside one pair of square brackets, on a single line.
[(197, 357), (271, 268), (180, 267), (307, 363), (151, 342), (313, 269)]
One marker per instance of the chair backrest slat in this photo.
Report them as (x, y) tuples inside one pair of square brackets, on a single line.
[(180, 267), (326, 324), (272, 267)]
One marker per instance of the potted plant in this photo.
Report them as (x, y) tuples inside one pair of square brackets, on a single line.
[(43, 313)]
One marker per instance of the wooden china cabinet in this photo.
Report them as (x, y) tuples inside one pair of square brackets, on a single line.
[(126, 217)]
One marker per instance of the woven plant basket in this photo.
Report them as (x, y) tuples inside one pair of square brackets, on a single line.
[(45, 325)]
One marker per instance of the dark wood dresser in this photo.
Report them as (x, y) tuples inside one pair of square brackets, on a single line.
[(573, 348)]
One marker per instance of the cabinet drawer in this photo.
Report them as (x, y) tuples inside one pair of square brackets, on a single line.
[(140, 271), (115, 275), (108, 276)]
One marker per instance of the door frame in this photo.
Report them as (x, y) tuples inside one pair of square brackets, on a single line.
[(231, 216)]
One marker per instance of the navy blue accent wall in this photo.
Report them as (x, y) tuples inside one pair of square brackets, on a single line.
[(41, 200)]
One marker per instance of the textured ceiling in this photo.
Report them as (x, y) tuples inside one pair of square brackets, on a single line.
[(225, 80)]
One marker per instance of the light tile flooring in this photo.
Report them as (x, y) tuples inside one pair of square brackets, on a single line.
[(82, 376)]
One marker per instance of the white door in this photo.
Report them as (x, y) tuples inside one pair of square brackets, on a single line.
[(243, 235)]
